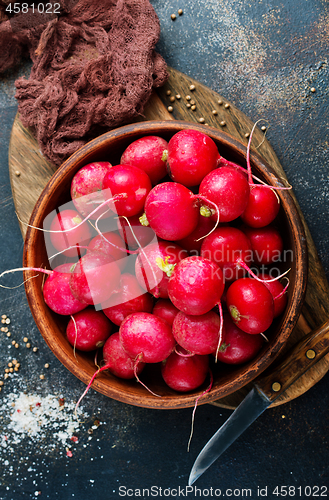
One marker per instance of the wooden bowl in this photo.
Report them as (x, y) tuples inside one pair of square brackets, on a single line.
[(227, 379)]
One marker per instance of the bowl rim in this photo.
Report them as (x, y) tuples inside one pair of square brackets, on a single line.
[(100, 384)]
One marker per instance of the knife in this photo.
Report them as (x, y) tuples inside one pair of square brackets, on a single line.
[(266, 389)]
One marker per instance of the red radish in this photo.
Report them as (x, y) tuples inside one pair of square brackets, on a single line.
[(262, 208), (278, 292), (251, 305), (117, 361), (197, 334), (146, 337), (228, 188), (192, 243), (266, 243), (238, 346), (128, 299), (111, 244), (148, 153), (131, 229), (57, 292), (171, 210), (86, 188), (88, 330), (227, 246), (166, 310), (126, 188), (67, 231), (191, 156), (155, 265), (94, 278), (185, 374), (196, 285)]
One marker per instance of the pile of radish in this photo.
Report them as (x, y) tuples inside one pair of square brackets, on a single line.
[(151, 261)]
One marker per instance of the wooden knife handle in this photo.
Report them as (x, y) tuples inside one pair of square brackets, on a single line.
[(306, 353)]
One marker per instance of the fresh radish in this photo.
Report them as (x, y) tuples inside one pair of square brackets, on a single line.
[(94, 278), (111, 244), (172, 211), (117, 361), (197, 334), (146, 337), (128, 299), (228, 189), (251, 305), (57, 292), (126, 188), (228, 246), (191, 156), (196, 285), (238, 346), (66, 230), (86, 188), (185, 374), (148, 153), (133, 233), (266, 243), (88, 330), (155, 265), (166, 310), (192, 242), (262, 208), (278, 292)]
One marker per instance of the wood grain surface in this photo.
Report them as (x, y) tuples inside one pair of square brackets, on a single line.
[(30, 171)]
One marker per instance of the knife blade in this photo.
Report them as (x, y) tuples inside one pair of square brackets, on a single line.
[(266, 389)]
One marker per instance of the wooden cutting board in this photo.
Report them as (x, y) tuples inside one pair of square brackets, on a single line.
[(183, 98)]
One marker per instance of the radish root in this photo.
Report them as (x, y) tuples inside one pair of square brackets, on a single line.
[(195, 406)]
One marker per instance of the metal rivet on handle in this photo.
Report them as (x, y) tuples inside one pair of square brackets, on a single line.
[(276, 386), (310, 354)]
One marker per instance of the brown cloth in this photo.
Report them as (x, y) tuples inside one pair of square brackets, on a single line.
[(94, 68)]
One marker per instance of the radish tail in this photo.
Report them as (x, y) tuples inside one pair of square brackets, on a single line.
[(195, 406), (37, 269), (88, 387), (138, 359), (220, 339)]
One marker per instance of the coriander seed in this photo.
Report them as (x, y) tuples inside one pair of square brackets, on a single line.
[(180, 12), (173, 17)]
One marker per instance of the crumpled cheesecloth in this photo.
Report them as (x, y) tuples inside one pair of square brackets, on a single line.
[(94, 68)]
